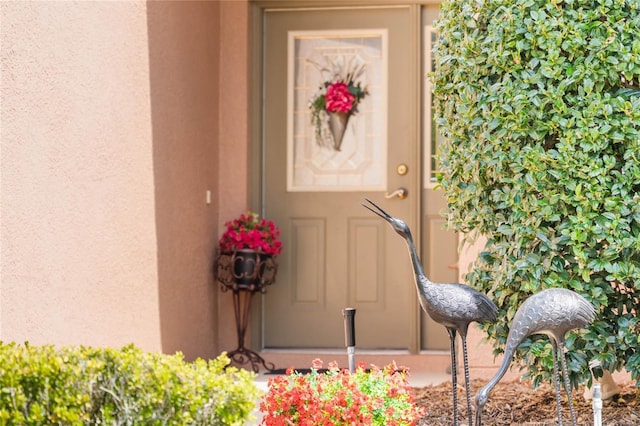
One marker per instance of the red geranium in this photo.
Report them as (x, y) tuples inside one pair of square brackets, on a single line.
[(250, 232), (339, 98)]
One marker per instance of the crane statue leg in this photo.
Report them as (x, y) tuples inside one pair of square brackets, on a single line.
[(567, 382), (454, 375), (556, 381), (558, 353), (466, 376)]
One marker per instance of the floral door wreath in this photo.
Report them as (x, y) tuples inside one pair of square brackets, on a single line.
[(337, 99)]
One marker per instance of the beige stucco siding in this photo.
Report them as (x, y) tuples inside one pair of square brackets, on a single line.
[(184, 52), (78, 228), (110, 139)]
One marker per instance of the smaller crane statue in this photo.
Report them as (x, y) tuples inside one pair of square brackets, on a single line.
[(453, 305), (553, 312)]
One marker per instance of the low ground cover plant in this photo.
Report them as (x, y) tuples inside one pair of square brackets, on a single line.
[(374, 396), (42, 385)]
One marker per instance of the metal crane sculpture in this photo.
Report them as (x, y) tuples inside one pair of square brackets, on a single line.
[(553, 312), (453, 305)]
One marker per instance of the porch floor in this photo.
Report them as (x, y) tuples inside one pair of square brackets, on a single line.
[(428, 367)]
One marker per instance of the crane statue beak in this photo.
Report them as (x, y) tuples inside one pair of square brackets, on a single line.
[(378, 210)]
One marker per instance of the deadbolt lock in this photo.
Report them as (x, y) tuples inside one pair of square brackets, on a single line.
[(402, 169)]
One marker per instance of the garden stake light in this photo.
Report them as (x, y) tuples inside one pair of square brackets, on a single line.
[(350, 336), (597, 405)]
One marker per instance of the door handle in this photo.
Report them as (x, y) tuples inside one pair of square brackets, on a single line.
[(400, 193)]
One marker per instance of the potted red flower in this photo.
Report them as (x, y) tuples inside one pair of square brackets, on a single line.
[(248, 248)]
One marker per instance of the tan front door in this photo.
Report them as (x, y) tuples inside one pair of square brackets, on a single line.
[(337, 254)]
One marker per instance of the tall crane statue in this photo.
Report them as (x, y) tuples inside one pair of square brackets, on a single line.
[(453, 305), (553, 312)]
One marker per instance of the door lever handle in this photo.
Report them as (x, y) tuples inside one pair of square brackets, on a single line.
[(400, 193)]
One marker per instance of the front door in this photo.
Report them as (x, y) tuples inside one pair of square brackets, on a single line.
[(336, 253)]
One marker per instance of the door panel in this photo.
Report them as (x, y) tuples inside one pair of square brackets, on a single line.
[(307, 255), (336, 253)]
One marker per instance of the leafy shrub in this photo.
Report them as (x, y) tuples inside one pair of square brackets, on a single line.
[(540, 103), (40, 385), (337, 397)]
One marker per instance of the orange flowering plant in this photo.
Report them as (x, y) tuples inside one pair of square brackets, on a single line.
[(337, 397)]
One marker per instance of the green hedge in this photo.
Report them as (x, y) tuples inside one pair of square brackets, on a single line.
[(540, 103), (42, 385)]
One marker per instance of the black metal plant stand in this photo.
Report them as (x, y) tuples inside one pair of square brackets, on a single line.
[(245, 273)]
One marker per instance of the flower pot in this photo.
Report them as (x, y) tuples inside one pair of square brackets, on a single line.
[(245, 272), (248, 268), (245, 269)]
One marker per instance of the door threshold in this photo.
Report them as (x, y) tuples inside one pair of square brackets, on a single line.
[(435, 361), (344, 350)]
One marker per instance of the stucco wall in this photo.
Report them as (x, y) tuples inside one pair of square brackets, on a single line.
[(234, 170), (78, 227), (481, 359), (184, 40), (109, 141)]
